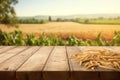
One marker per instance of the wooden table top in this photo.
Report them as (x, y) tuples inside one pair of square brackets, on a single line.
[(48, 63)]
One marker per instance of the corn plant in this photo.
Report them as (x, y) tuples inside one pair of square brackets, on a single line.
[(16, 38), (44, 40), (72, 41), (31, 40), (116, 39)]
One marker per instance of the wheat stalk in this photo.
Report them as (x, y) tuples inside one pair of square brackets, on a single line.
[(92, 59)]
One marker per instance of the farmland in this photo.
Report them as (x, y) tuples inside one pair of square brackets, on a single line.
[(65, 29), (112, 21)]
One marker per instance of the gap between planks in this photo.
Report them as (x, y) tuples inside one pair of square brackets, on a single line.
[(34, 65), (6, 48), (10, 66), (57, 65)]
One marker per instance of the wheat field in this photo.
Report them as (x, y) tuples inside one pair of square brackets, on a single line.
[(65, 29)]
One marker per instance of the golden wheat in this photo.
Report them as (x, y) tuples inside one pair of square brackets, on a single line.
[(64, 29), (92, 59)]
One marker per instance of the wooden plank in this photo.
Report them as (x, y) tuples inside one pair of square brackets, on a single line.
[(78, 72), (114, 48), (32, 68), (83, 48), (57, 67), (11, 53), (109, 75), (8, 68), (1, 47), (6, 48)]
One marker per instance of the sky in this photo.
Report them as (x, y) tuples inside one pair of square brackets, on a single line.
[(66, 7)]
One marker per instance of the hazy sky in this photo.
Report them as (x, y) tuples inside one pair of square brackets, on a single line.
[(66, 7)]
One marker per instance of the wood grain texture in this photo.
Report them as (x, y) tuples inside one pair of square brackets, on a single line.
[(11, 65), (109, 75), (1, 47), (57, 67), (49, 63), (78, 72), (6, 48), (10, 53), (32, 68)]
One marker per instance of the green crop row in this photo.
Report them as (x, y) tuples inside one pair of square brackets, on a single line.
[(16, 38)]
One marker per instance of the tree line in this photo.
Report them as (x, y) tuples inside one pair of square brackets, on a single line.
[(31, 21)]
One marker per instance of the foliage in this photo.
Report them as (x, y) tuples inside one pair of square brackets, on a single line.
[(72, 41), (116, 39), (59, 20), (31, 40), (31, 21), (12, 38), (50, 18), (16, 38), (7, 12), (86, 21)]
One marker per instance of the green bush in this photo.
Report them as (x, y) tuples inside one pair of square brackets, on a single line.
[(12, 38)]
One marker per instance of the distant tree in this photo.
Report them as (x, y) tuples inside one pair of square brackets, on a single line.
[(71, 20), (101, 18), (86, 21), (33, 19), (118, 17), (58, 19), (7, 12), (50, 19), (110, 18)]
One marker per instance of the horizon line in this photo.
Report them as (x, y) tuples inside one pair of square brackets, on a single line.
[(67, 14)]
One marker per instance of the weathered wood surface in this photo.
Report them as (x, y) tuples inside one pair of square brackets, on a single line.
[(48, 63), (78, 72), (32, 68), (57, 66)]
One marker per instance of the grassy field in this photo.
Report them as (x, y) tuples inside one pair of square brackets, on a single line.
[(105, 21), (64, 29), (99, 21)]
